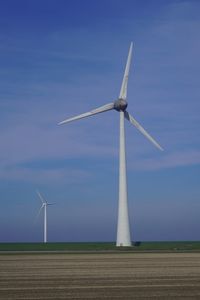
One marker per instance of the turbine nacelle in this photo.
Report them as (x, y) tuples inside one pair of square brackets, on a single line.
[(120, 104)]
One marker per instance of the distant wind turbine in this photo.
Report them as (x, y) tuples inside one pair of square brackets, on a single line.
[(120, 105), (44, 206)]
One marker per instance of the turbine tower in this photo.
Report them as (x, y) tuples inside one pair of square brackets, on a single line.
[(120, 105), (44, 206)]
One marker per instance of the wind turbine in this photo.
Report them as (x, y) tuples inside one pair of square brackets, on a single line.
[(120, 105), (44, 206)]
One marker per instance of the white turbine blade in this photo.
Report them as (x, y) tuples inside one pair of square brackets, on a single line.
[(41, 198), (123, 91), (141, 129), (39, 212), (98, 110)]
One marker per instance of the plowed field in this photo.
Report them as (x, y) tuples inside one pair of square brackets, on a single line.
[(100, 276)]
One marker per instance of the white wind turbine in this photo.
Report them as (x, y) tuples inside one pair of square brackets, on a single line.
[(120, 105), (44, 206)]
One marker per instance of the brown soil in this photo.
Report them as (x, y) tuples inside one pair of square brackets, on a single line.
[(100, 276)]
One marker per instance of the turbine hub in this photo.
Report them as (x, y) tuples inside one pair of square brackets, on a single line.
[(120, 104)]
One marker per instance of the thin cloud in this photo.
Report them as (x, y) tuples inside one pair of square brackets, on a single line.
[(163, 91), (55, 176), (173, 160)]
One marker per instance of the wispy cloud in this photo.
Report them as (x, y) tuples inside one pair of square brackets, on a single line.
[(172, 160), (56, 176), (66, 79)]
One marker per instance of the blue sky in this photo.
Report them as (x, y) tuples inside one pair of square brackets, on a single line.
[(62, 58)]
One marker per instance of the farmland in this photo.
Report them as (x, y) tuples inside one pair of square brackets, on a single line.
[(100, 276)]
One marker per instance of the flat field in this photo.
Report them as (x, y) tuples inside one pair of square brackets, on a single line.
[(100, 276), (96, 247)]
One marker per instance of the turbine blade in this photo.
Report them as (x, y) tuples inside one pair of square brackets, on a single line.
[(123, 91), (141, 129), (41, 198), (98, 110), (39, 212)]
